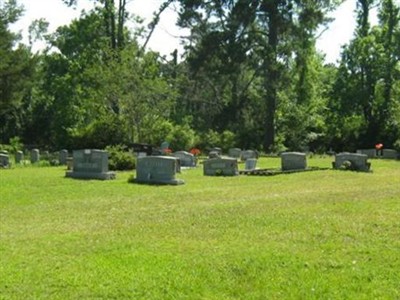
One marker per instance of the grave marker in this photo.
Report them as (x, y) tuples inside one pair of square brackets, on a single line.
[(235, 153), (19, 157), (90, 164), (186, 159), (62, 157), (157, 170), (390, 154), (352, 161), (293, 161), (220, 167), (35, 156), (4, 161)]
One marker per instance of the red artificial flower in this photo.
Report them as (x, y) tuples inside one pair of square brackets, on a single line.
[(379, 146), (195, 151)]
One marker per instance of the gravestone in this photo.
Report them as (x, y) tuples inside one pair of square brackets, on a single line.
[(142, 149), (235, 153), (220, 167), (4, 161), (216, 149), (371, 153), (250, 164), (4, 152), (19, 157), (186, 159), (293, 161), (90, 164), (157, 170), (35, 156), (213, 154), (249, 154), (390, 153), (352, 161), (62, 157)]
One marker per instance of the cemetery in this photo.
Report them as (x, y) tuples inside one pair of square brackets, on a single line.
[(178, 220)]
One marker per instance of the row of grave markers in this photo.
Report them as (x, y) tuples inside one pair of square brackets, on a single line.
[(93, 164)]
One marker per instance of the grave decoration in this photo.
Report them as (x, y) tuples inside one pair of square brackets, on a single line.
[(157, 170), (90, 164), (220, 167)]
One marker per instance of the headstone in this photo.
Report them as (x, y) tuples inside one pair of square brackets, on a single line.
[(90, 164), (35, 156), (235, 153), (62, 157), (213, 154), (250, 164), (165, 148), (249, 154), (352, 161), (4, 161), (216, 149), (186, 159), (19, 157), (390, 153), (293, 161), (157, 170), (4, 152), (142, 149), (220, 167), (371, 153)]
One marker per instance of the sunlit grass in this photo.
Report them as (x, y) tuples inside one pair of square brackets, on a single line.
[(314, 235)]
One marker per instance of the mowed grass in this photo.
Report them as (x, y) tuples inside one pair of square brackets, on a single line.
[(313, 235)]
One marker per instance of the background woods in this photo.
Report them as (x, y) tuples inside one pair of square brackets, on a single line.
[(250, 75)]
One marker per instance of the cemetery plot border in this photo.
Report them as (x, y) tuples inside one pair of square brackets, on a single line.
[(272, 172)]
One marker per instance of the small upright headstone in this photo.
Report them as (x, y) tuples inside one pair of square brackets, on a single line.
[(216, 149), (220, 167), (35, 156), (157, 170), (250, 164), (352, 161), (19, 157), (293, 161), (249, 154), (186, 159), (4, 161), (213, 154), (90, 164), (235, 153), (62, 157), (389, 153)]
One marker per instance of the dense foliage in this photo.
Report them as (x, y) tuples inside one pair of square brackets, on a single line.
[(250, 77)]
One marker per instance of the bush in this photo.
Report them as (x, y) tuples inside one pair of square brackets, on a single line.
[(120, 159)]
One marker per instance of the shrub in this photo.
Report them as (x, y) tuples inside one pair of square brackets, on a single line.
[(120, 159)]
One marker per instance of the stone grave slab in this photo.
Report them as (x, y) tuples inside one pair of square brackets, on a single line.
[(293, 161), (250, 164), (35, 156), (186, 159), (62, 156), (371, 153), (352, 161), (4, 161), (19, 157), (90, 164), (220, 167), (390, 154), (248, 154), (157, 170), (235, 153)]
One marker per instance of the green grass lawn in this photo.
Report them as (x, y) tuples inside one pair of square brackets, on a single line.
[(313, 235)]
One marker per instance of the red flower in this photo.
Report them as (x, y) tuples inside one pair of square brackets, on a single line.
[(379, 146), (195, 151)]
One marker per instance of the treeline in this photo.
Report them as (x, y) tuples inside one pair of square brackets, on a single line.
[(250, 76)]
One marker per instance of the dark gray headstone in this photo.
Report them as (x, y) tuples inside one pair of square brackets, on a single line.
[(35, 156), (186, 159), (293, 161), (216, 149), (220, 167), (371, 153), (62, 157), (4, 161), (249, 154), (157, 170), (235, 153), (213, 154), (19, 157), (90, 164), (390, 153), (250, 164), (352, 161)]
